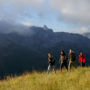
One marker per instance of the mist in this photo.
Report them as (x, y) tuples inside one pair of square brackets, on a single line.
[(9, 27)]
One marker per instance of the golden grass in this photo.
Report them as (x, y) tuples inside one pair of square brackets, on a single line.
[(76, 79)]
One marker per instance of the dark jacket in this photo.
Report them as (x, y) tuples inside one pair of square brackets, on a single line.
[(72, 57), (51, 61), (63, 58)]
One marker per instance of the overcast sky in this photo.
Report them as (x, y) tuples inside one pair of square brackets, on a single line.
[(60, 15)]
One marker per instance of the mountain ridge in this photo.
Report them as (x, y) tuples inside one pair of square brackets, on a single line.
[(19, 52)]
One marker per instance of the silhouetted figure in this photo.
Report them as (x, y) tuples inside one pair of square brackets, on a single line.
[(51, 63), (72, 59), (82, 59), (63, 60)]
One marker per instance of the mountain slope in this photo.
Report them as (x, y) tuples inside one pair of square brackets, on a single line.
[(87, 35), (19, 53), (76, 79)]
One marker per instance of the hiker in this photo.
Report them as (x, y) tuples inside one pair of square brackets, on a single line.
[(51, 63), (63, 60), (82, 59), (72, 59)]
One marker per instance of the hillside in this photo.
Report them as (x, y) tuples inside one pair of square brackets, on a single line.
[(76, 79), (87, 34), (28, 50)]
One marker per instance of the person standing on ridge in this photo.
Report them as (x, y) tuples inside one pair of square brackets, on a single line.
[(51, 63), (82, 59), (72, 59), (63, 60)]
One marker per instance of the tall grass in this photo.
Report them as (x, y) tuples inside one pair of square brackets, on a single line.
[(76, 79)]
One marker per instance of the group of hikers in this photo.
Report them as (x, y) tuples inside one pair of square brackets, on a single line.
[(63, 61)]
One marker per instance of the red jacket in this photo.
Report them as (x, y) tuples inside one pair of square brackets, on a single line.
[(81, 59)]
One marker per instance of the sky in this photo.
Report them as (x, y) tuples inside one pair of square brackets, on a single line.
[(60, 15)]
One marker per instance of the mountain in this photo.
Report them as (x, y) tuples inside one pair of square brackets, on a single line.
[(87, 35), (28, 51)]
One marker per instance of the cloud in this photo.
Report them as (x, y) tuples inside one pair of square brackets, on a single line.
[(82, 30), (27, 24), (7, 27), (22, 3), (12, 10), (73, 10)]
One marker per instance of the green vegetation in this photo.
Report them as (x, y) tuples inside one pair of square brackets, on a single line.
[(76, 79)]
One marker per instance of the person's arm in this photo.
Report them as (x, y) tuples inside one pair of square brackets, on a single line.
[(79, 59), (54, 60), (74, 56), (59, 59), (66, 58), (48, 60), (84, 59)]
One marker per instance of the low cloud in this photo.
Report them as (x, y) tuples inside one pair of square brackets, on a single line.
[(28, 24), (8, 27), (82, 30)]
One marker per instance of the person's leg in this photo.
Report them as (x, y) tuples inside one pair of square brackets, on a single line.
[(74, 64), (66, 65), (49, 68), (61, 67), (69, 66), (83, 64), (54, 68)]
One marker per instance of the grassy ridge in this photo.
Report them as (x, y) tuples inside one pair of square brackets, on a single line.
[(76, 79)]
